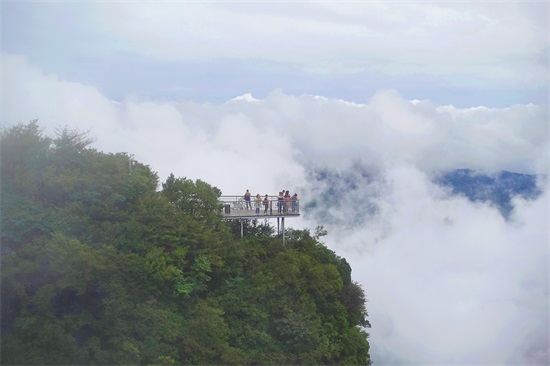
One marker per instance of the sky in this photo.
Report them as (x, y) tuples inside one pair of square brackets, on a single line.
[(371, 98)]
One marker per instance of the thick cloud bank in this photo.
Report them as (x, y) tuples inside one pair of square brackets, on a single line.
[(449, 281)]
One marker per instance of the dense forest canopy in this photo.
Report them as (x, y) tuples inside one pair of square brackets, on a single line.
[(101, 266)]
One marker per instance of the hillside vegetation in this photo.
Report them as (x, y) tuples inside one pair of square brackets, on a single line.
[(101, 265)]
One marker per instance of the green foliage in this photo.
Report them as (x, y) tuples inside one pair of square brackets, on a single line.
[(198, 199), (98, 267)]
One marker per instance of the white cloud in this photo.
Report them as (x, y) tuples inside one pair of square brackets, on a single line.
[(489, 41), (448, 281), (455, 52), (246, 97), (28, 94)]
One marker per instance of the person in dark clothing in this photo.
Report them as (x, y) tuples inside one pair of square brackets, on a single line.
[(294, 200), (266, 204), (247, 200)]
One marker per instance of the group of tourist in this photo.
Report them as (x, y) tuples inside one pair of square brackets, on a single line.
[(285, 202)]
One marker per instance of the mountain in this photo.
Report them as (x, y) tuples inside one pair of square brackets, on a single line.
[(99, 266), (498, 189)]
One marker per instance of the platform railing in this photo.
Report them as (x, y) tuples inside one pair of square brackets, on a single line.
[(237, 206)]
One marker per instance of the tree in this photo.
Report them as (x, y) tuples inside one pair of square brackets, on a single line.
[(197, 200), (98, 267)]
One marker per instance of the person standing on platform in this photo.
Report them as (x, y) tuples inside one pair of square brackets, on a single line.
[(286, 201), (247, 200), (258, 203), (266, 204), (280, 199), (294, 200)]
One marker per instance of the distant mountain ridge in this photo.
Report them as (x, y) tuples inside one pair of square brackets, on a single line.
[(498, 189), (336, 195)]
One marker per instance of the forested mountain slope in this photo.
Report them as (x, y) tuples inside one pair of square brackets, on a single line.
[(99, 267)]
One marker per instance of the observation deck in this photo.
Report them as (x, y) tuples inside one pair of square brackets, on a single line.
[(235, 207)]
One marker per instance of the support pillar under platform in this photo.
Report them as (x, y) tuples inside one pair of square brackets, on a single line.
[(283, 227)]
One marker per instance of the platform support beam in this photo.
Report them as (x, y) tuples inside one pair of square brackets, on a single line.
[(283, 227)]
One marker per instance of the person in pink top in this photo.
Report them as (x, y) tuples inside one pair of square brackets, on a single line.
[(286, 200)]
